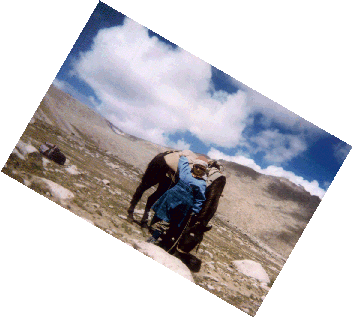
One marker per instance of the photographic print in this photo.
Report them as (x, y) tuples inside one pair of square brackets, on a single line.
[(175, 158)]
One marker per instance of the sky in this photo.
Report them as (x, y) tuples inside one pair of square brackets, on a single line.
[(151, 88)]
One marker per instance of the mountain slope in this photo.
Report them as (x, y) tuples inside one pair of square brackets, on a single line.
[(73, 117), (272, 209), (258, 222)]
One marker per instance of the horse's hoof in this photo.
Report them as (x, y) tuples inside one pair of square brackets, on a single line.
[(145, 231), (130, 218)]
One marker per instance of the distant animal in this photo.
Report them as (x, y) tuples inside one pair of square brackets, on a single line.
[(162, 171)]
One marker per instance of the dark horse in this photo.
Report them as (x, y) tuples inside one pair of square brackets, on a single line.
[(156, 174)]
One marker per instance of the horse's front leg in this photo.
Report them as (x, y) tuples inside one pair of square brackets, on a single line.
[(135, 199)]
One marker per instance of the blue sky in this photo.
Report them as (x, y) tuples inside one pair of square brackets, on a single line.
[(151, 88)]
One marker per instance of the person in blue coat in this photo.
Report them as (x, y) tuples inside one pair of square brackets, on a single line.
[(186, 197)]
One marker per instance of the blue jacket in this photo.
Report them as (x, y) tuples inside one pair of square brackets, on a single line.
[(186, 196)]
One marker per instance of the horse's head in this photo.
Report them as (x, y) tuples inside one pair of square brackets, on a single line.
[(215, 164)]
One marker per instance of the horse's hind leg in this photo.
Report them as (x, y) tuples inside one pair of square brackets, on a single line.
[(147, 182), (143, 186), (137, 196), (164, 185), (151, 177)]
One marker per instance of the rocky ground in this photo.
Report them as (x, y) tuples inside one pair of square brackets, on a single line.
[(97, 186)]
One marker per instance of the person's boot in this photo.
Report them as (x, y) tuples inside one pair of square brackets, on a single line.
[(152, 240), (154, 237)]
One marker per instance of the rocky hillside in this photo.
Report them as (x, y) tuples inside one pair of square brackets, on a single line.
[(259, 219), (272, 209), (60, 110)]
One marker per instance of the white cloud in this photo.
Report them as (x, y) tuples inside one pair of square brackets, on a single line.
[(311, 187), (274, 112), (149, 89), (240, 159), (180, 145), (278, 147), (341, 151)]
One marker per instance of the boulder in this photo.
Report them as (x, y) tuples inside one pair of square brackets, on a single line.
[(25, 148), (161, 256), (45, 186), (106, 182), (28, 155)]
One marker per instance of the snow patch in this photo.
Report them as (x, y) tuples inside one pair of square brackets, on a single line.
[(122, 216), (252, 269), (72, 169)]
